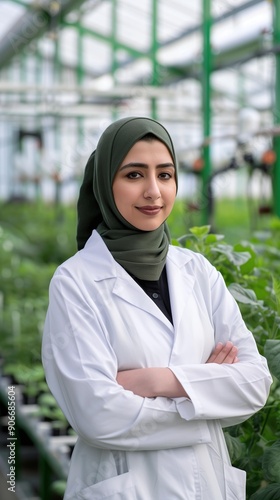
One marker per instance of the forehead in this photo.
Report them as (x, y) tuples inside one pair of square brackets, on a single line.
[(149, 150)]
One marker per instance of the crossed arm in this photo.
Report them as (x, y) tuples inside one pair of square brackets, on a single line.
[(155, 382)]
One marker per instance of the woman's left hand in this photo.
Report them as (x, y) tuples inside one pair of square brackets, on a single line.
[(224, 353)]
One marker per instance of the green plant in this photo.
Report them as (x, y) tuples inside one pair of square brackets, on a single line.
[(35, 238), (49, 410), (255, 444)]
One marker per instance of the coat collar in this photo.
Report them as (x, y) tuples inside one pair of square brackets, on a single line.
[(180, 283)]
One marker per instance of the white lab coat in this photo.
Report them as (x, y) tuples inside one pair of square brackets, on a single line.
[(100, 321)]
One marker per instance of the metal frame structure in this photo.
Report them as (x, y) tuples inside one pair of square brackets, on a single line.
[(159, 87)]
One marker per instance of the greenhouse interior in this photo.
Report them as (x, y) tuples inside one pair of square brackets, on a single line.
[(208, 71)]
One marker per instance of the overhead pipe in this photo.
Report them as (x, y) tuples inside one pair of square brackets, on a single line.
[(83, 111), (89, 91), (33, 23)]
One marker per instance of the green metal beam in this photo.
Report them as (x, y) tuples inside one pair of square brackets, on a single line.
[(80, 121), (224, 59), (114, 48), (276, 141), (80, 57), (154, 50), (234, 55), (206, 105), (215, 20), (114, 45), (56, 61), (107, 39), (35, 21), (228, 57), (241, 52)]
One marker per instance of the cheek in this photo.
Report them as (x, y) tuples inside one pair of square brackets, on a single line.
[(122, 196), (117, 193), (171, 194), (125, 191)]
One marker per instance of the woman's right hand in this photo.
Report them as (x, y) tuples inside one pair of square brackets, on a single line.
[(224, 353)]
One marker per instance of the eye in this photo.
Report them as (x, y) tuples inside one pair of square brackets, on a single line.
[(133, 175), (165, 176)]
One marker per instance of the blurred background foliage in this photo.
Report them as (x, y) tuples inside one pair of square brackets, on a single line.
[(36, 237)]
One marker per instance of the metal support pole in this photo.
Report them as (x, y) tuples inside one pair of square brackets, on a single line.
[(38, 126), (57, 67), (45, 478), (154, 48), (57, 78), (80, 75), (276, 141), (114, 63), (80, 54), (206, 105)]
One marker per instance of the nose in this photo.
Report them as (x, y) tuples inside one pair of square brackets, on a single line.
[(152, 190)]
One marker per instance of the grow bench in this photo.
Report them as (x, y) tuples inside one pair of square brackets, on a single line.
[(40, 459)]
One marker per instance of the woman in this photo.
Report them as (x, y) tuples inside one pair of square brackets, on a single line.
[(144, 348)]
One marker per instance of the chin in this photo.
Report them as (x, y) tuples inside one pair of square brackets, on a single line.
[(148, 227)]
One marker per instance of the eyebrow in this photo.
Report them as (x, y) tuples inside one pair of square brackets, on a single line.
[(144, 165)]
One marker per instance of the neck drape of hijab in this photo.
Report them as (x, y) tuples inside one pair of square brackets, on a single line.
[(141, 253)]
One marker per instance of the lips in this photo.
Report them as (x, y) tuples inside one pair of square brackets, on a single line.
[(150, 210)]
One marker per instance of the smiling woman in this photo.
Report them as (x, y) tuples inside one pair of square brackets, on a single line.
[(144, 348), (145, 187)]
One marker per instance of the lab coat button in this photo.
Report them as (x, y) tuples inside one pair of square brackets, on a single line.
[(155, 295)]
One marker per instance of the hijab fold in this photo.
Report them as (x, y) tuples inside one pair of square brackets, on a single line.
[(141, 253)]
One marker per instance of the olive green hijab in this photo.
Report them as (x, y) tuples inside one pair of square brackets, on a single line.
[(141, 253)]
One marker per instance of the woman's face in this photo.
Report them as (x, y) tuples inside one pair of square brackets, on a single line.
[(144, 187)]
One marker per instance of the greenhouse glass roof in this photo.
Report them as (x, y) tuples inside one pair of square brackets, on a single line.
[(77, 64)]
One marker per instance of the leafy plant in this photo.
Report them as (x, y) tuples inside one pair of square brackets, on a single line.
[(49, 410), (248, 271), (34, 239)]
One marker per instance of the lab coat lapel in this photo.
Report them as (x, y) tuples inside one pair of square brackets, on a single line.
[(126, 288), (180, 286), (105, 267)]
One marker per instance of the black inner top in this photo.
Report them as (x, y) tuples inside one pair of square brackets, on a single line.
[(158, 291)]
